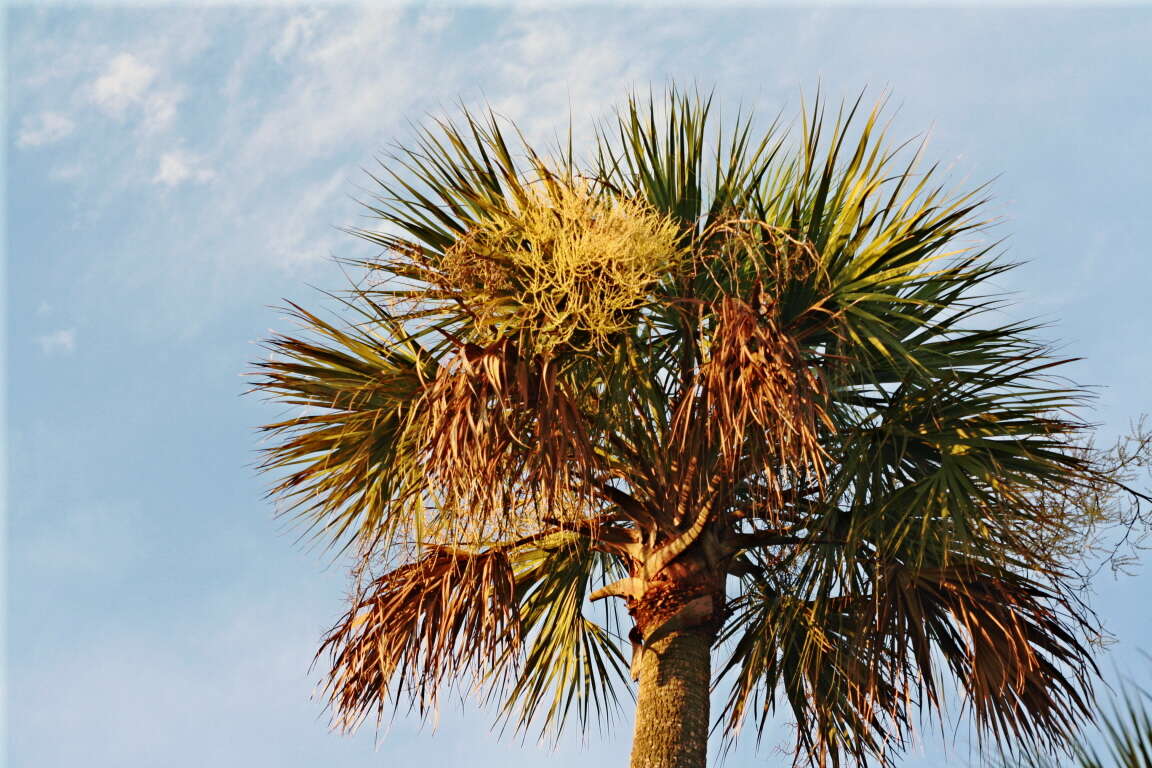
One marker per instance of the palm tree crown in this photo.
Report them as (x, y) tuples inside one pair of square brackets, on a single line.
[(747, 387)]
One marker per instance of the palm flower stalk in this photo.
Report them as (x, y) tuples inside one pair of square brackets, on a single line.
[(718, 394)]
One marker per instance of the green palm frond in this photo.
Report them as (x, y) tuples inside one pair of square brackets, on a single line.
[(342, 462), (572, 665)]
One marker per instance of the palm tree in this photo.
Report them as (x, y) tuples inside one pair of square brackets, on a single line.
[(716, 392)]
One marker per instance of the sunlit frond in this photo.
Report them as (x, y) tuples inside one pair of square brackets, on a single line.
[(344, 458), (571, 665), (1122, 738), (446, 614), (853, 665)]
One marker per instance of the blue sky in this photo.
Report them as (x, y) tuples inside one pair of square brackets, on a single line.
[(172, 174)]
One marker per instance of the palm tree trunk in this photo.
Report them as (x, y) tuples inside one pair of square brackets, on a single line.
[(672, 707)]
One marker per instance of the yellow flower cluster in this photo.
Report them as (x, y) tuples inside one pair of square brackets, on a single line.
[(563, 269)]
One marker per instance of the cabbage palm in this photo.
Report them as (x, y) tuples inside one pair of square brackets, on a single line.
[(714, 394)]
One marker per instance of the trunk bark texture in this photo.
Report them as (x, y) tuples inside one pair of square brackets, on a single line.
[(672, 706)]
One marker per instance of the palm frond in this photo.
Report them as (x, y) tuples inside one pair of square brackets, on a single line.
[(343, 458), (571, 664), (407, 631), (852, 665), (1122, 738)]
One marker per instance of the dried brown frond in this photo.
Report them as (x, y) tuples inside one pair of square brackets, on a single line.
[(1013, 645), (764, 399), (408, 631), (854, 666), (501, 439)]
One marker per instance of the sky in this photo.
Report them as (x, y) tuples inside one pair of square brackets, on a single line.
[(173, 175)]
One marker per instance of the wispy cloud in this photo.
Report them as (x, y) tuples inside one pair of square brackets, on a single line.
[(561, 66), (159, 109), (177, 167), (297, 243), (335, 88), (299, 30), (67, 172), (62, 342), (44, 128), (128, 84), (434, 21)]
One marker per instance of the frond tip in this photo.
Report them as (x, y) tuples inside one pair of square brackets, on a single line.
[(447, 614)]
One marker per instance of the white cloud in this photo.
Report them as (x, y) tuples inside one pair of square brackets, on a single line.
[(122, 84), (44, 128), (62, 341), (298, 242), (561, 69), (178, 167), (129, 84)]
